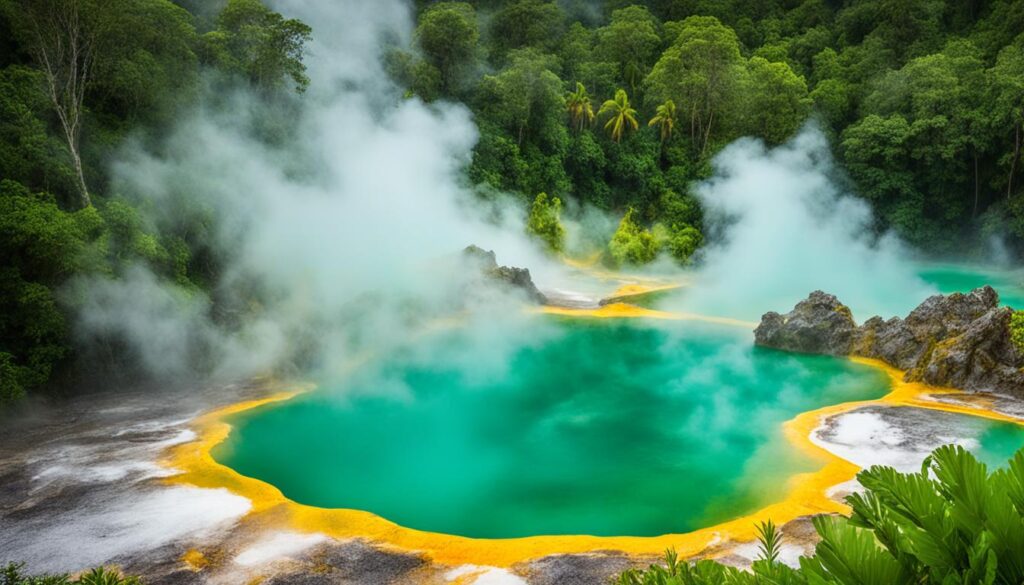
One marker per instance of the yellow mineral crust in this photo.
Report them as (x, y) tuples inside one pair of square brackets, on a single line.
[(806, 493), (621, 310)]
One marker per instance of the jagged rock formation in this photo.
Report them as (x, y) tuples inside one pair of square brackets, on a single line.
[(818, 324), (958, 340), (509, 276)]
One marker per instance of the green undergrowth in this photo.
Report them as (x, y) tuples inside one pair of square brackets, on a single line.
[(953, 523), (12, 574), (1017, 329)]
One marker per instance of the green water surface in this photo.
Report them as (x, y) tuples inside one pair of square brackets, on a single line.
[(965, 278), (605, 428), (621, 427)]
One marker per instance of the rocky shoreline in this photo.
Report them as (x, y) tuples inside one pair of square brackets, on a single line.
[(959, 340)]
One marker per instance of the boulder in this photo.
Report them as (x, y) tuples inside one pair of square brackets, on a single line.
[(819, 324), (957, 340)]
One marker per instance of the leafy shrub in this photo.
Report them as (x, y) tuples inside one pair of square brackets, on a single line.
[(12, 575), (631, 243), (952, 523), (681, 242), (1017, 329), (544, 222)]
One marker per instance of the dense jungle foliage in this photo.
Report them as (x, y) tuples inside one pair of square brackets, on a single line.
[(952, 523), (617, 105), (77, 79), (622, 104)]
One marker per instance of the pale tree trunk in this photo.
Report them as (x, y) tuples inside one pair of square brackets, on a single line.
[(64, 50), (1013, 162), (975, 212), (707, 134), (693, 124)]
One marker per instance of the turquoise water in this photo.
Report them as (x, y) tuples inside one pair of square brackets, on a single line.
[(621, 427), (997, 442), (964, 278), (934, 277), (606, 428)]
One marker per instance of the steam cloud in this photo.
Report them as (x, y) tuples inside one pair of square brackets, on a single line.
[(344, 230), (782, 227)]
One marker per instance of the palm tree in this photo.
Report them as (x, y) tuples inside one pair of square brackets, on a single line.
[(665, 119), (623, 116), (580, 111)]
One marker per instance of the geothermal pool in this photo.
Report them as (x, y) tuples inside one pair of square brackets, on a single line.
[(606, 428), (620, 427)]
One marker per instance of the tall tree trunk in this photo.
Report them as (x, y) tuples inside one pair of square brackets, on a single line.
[(1013, 163), (693, 125), (63, 48), (707, 134), (76, 159), (975, 212)]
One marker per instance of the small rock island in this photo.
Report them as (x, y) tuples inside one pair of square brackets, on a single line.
[(959, 340)]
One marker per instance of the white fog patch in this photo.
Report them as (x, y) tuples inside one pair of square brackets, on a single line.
[(478, 575), (345, 231), (137, 523), (781, 227), (278, 546)]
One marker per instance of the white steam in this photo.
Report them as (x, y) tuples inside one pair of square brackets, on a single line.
[(340, 235), (345, 230), (782, 228)]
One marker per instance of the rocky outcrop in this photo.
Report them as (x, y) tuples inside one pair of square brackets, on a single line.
[(958, 340), (818, 324), (508, 276)]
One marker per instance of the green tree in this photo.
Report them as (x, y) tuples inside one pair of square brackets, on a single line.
[(621, 115), (28, 154), (523, 24), (1007, 102), (63, 37), (581, 112), (631, 243), (42, 247), (681, 241), (942, 98), (778, 103), (418, 76), (259, 44), (630, 41), (877, 156), (525, 104), (703, 69), (544, 222), (146, 66), (665, 119), (448, 34), (585, 164)]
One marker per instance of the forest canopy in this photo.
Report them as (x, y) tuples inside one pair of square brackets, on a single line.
[(922, 101), (77, 79), (617, 105)]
